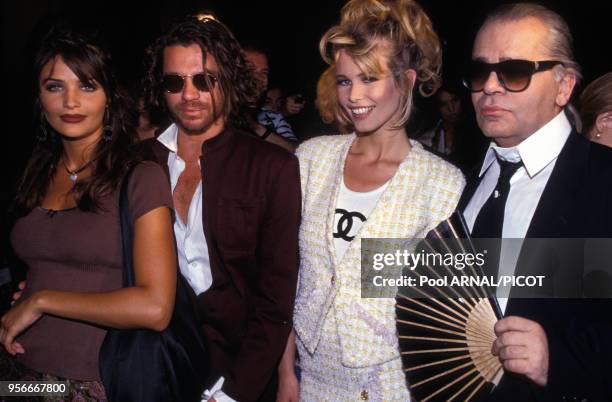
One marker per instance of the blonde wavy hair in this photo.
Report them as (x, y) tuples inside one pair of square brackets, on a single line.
[(407, 35)]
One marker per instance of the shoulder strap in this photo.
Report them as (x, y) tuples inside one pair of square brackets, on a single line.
[(127, 231)]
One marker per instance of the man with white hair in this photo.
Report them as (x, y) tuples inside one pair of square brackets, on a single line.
[(539, 179)]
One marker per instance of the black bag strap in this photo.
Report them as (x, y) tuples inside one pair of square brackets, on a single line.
[(127, 231)]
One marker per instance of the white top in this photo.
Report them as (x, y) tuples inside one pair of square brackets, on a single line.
[(191, 246), (539, 154), (352, 210)]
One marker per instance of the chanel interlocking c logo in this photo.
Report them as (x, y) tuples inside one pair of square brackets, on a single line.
[(345, 223)]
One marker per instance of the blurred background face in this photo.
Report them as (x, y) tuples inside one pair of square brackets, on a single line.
[(273, 99), (602, 132), (145, 128), (191, 108), (259, 62), (73, 108), (510, 117), (449, 106)]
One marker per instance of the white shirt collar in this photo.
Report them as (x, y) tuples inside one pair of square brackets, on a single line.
[(537, 150), (169, 138)]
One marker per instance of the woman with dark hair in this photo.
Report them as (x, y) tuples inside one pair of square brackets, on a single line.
[(68, 232), (372, 183)]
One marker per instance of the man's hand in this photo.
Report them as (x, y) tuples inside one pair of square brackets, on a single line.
[(522, 347), (17, 295), (293, 105)]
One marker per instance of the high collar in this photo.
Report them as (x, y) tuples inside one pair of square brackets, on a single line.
[(169, 138), (537, 151)]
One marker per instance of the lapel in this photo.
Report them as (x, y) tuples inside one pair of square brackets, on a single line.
[(161, 154), (340, 158), (552, 215), (471, 184), (155, 151)]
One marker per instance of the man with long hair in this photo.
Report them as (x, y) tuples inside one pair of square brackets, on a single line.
[(237, 204)]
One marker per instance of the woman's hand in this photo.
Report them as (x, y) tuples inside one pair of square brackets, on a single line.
[(18, 319), (288, 384), (288, 387)]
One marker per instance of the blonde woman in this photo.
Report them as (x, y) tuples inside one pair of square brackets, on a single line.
[(373, 183)]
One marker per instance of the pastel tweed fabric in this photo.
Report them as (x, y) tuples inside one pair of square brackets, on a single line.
[(324, 378), (423, 192)]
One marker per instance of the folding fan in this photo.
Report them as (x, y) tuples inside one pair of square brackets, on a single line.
[(446, 332)]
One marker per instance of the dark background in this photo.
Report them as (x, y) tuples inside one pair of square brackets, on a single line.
[(290, 31)]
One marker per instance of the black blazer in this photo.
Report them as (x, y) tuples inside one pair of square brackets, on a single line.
[(576, 203)]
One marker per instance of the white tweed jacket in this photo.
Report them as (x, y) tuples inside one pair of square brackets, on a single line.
[(423, 192)]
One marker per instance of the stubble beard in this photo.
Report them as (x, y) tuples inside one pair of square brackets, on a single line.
[(193, 126)]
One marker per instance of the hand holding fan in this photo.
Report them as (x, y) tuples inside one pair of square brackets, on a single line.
[(446, 332)]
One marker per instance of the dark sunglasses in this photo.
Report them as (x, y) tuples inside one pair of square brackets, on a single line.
[(513, 75), (174, 83)]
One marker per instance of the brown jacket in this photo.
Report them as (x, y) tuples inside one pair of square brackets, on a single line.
[(251, 212)]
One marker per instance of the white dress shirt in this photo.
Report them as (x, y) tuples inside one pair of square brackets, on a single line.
[(539, 154), (191, 246)]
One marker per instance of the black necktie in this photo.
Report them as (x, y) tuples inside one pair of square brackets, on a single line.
[(490, 219)]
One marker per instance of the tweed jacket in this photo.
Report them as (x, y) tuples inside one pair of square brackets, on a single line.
[(423, 192)]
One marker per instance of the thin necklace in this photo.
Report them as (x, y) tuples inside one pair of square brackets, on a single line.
[(74, 174)]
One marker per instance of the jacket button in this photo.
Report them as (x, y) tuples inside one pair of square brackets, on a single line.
[(364, 395), (333, 280)]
